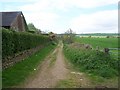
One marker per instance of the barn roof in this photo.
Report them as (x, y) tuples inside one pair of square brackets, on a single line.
[(8, 17)]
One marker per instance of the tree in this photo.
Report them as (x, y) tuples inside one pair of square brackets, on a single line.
[(31, 26), (33, 29), (69, 36)]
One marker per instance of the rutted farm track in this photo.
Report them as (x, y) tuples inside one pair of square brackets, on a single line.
[(51, 70), (57, 72), (54, 72)]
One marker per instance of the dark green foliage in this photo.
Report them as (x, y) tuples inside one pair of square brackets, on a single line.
[(7, 43), (14, 42), (92, 62)]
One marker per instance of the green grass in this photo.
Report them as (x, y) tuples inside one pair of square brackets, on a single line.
[(19, 72), (101, 42), (90, 61), (0, 79), (97, 80), (68, 83)]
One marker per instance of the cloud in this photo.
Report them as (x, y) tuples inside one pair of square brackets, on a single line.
[(38, 14), (102, 21), (38, 5), (3, 1), (49, 14), (82, 3), (44, 16), (42, 20), (92, 3)]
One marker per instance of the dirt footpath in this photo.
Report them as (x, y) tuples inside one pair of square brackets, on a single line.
[(50, 71), (56, 72)]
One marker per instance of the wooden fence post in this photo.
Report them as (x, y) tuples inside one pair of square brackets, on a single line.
[(106, 50)]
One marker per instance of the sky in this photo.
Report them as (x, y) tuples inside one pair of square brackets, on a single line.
[(82, 16)]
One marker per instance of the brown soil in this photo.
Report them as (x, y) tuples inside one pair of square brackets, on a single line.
[(48, 76)]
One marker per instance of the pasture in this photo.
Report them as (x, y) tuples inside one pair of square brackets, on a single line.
[(100, 42), (111, 43)]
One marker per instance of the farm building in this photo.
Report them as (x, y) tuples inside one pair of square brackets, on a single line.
[(14, 21)]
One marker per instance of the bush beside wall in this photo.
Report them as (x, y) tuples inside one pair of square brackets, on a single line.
[(14, 42)]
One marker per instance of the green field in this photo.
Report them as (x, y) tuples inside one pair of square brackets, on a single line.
[(101, 42)]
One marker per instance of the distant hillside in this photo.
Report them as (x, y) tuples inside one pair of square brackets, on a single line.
[(99, 34)]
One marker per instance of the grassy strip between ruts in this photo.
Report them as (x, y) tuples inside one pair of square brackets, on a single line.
[(53, 59), (15, 75)]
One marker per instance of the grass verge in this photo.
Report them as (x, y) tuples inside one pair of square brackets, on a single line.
[(100, 81), (15, 75), (100, 68), (90, 61)]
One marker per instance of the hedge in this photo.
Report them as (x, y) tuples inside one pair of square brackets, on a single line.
[(14, 42)]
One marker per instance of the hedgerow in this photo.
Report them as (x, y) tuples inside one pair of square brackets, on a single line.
[(97, 63), (14, 42)]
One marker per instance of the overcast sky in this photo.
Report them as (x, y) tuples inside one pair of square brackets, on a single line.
[(82, 16)]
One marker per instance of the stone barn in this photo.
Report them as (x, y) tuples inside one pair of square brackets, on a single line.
[(14, 21)]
